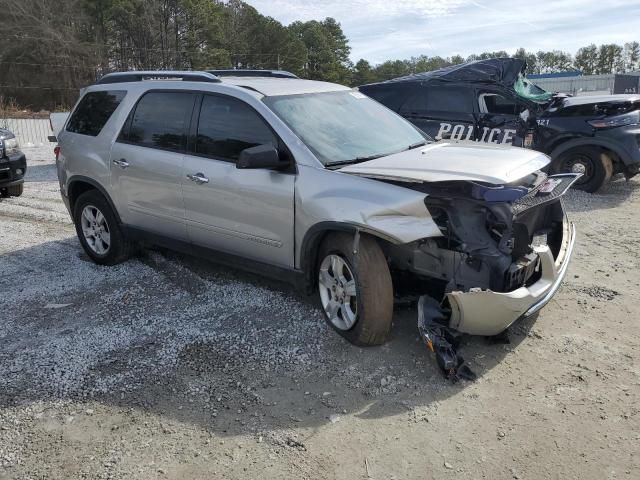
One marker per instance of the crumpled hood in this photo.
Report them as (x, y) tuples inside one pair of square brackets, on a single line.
[(449, 161)]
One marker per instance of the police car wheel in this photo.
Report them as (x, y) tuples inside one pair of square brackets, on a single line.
[(596, 167)]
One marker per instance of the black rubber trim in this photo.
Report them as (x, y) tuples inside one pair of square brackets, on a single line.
[(624, 157), (310, 244), (97, 186)]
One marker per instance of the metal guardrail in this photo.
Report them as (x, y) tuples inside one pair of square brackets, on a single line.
[(29, 131)]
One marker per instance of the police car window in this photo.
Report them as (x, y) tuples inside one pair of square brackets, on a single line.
[(497, 104), (445, 99), (416, 102), (93, 112), (160, 120), (227, 126), (391, 97)]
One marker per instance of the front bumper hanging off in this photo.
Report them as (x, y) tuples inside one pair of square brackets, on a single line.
[(484, 312)]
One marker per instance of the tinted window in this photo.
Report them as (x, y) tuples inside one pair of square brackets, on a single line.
[(227, 126), (160, 120), (392, 97), (416, 101), (93, 112), (446, 99), (499, 105)]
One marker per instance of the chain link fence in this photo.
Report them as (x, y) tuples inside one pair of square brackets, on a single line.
[(30, 132)]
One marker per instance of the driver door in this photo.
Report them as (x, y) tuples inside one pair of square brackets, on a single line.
[(499, 120), (245, 212)]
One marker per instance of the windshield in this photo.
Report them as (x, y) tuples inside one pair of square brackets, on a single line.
[(345, 127), (528, 90)]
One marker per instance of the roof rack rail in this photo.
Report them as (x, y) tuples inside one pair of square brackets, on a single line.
[(187, 76), (252, 73)]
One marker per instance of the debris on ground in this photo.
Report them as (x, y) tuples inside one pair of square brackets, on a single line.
[(441, 340)]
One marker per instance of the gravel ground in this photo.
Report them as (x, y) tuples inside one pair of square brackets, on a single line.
[(167, 366)]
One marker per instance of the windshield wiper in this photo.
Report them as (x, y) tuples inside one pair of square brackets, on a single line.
[(356, 160), (373, 157), (416, 145)]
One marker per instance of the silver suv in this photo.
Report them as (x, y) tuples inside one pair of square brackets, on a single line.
[(320, 183)]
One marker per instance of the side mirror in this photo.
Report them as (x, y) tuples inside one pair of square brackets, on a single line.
[(262, 156)]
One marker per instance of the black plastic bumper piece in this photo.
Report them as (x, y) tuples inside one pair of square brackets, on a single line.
[(9, 167)]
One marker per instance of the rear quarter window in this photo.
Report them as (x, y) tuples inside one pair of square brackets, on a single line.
[(449, 99), (94, 111), (391, 97)]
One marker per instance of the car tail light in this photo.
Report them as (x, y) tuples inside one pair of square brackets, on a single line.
[(56, 151)]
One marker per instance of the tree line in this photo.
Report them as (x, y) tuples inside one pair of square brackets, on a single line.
[(51, 49)]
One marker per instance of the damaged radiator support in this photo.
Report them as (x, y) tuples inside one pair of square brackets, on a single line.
[(441, 340)]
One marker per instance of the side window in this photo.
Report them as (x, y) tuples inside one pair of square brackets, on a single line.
[(392, 97), (93, 112), (160, 120), (416, 102), (449, 99), (496, 104), (227, 126)]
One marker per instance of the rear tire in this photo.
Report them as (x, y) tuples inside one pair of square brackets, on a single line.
[(595, 165), (98, 230), (372, 301)]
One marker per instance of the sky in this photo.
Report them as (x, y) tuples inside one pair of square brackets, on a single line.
[(380, 30)]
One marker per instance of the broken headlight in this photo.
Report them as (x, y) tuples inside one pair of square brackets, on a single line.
[(617, 121)]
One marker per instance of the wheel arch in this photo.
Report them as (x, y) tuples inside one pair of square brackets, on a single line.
[(78, 184), (314, 237), (618, 156)]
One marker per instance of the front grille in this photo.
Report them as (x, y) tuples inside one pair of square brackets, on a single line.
[(536, 197)]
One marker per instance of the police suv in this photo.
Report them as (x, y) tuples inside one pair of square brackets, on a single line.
[(492, 101)]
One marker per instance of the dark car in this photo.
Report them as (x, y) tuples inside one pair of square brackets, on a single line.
[(492, 101), (13, 165)]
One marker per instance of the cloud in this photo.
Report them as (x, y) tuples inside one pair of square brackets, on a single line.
[(380, 30)]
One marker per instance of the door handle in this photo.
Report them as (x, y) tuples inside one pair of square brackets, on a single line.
[(199, 178), (122, 163)]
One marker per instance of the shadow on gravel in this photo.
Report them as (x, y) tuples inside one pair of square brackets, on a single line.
[(195, 342), (41, 173)]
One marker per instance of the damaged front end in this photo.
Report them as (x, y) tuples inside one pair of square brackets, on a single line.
[(503, 252)]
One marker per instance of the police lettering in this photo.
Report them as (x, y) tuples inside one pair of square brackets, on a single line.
[(465, 132)]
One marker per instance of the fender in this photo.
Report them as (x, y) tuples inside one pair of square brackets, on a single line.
[(311, 242), (82, 179), (590, 142)]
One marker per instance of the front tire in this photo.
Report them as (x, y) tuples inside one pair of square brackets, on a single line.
[(355, 290), (596, 167), (98, 230)]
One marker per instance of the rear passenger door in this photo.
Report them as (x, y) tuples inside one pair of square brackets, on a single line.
[(244, 212), (441, 111), (147, 163)]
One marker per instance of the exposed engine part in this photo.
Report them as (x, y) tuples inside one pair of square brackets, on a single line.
[(486, 244), (441, 340)]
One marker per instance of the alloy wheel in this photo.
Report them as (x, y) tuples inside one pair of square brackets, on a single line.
[(338, 292), (95, 230)]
